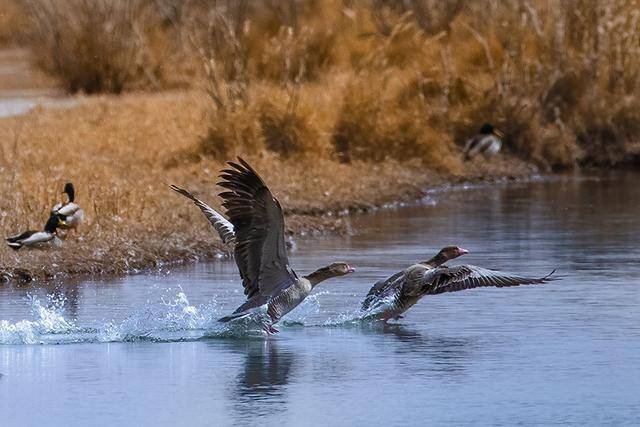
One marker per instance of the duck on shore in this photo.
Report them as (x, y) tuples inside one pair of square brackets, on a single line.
[(391, 297), (69, 212), (35, 238), (272, 287), (487, 142)]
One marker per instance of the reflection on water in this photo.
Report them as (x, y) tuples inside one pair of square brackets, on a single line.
[(428, 354), (565, 352), (260, 387)]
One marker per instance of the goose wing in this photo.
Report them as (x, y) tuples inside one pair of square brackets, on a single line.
[(219, 222), (257, 219), (451, 279), (383, 289)]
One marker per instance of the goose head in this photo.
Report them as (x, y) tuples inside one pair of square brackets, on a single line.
[(452, 252), (447, 253), (70, 191), (335, 269), (340, 269)]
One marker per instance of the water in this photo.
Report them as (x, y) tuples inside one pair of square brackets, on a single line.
[(20, 102), (23, 88), (146, 350)]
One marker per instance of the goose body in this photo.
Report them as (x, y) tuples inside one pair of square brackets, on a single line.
[(391, 297), (487, 143), (256, 223), (277, 306), (34, 238), (70, 213)]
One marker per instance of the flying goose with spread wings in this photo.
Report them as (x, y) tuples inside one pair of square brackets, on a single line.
[(391, 297), (257, 222)]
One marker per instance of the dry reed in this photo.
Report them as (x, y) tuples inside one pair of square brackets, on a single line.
[(115, 150), (364, 101), (560, 77)]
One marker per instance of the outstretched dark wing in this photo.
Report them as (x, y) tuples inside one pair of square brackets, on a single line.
[(219, 222), (256, 215), (383, 289), (451, 279)]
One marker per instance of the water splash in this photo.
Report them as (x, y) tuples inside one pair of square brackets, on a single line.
[(162, 321), (360, 316), (169, 319), (310, 306), (48, 319)]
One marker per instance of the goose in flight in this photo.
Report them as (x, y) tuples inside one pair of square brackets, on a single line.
[(391, 297), (487, 142), (269, 282)]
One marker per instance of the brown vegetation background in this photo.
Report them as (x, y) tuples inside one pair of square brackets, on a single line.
[(339, 103), (368, 79)]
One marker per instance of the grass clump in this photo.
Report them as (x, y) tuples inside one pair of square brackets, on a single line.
[(99, 45), (376, 126), (546, 72), (13, 21)]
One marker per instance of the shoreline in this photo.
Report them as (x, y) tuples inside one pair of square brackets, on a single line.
[(315, 224), (122, 153)]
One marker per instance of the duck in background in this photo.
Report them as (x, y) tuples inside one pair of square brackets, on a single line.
[(35, 238), (70, 213), (487, 142)]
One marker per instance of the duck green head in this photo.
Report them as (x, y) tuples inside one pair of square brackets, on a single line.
[(70, 191), (489, 129)]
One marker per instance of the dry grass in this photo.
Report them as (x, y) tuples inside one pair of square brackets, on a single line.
[(560, 77), (98, 46), (115, 151), (363, 101), (13, 22)]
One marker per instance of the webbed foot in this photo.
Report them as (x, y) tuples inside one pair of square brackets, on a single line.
[(269, 329)]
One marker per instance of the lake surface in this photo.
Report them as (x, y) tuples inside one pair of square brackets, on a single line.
[(146, 350)]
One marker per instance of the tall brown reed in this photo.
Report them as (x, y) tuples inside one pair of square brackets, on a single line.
[(560, 77)]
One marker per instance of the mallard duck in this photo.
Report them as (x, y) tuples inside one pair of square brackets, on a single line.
[(218, 221), (69, 212), (270, 284), (487, 142), (391, 297), (33, 238)]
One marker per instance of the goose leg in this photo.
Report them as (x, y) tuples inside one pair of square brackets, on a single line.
[(269, 329), (273, 330)]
